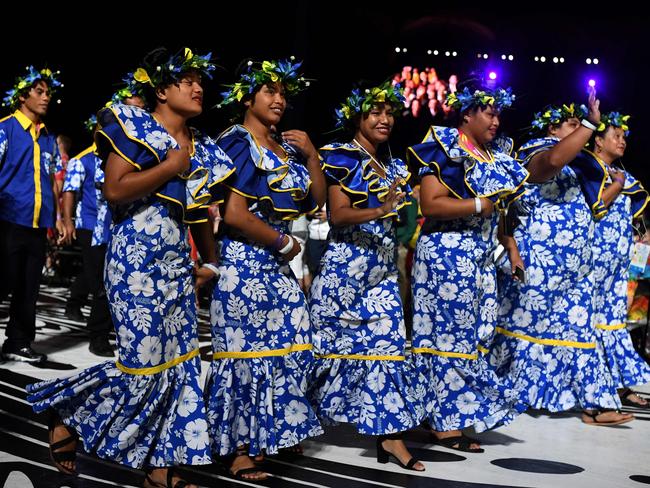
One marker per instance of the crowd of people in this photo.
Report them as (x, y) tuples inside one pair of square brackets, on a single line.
[(517, 283)]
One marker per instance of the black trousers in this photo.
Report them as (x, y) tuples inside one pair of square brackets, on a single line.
[(91, 280), (23, 257), (314, 251)]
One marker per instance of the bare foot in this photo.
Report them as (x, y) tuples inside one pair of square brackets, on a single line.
[(398, 449)]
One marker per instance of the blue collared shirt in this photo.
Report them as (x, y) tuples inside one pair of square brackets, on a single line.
[(29, 157), (85, 177)]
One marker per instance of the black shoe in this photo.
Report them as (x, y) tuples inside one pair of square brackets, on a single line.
[(383, 456), (26, 354), (74, 313), (101, 347)]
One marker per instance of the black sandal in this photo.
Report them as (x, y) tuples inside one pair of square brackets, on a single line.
[(58, 457), (239, 474), (459, 443), (295, 450), (594, 421), (383, 456), (150, 483), (626, 393)]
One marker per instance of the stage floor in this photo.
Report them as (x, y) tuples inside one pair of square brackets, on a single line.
[(537, 450)]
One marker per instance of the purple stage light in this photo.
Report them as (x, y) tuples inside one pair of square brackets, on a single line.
[(592, 83), (492, 75)]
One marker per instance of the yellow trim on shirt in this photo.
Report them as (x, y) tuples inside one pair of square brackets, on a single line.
[(38, 196)]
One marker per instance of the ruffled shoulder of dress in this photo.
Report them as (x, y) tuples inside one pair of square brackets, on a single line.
[(260, 174), (133, 133), (349, 167), (501, 179), (210, 155), (502, 144), (638, 194), (534, 146), (341, 161), (592, 176)]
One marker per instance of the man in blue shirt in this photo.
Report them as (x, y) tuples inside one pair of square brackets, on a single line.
[(29, 157), (84, 179)]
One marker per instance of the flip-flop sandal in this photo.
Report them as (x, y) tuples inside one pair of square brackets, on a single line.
[(625, 399), (594, 421)]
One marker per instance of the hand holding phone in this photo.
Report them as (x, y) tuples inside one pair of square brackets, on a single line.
[(519, 274)]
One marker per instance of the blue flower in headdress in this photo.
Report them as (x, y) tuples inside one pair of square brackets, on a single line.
[(173, 68), (91, 123), (357, 102), (614, 119), (465, 99), (23, 83), (284, 72), (555, 115)]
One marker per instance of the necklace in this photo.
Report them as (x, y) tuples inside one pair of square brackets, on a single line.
[(467, 144), (380, 167)]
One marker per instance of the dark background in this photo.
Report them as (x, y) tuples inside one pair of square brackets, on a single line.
[(342, 43)]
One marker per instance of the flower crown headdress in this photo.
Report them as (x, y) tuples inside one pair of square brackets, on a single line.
[(130, 88), (23, 83), (285, 72), (614, 119), (363, 101), (553, 115), (499, 98), (153, 74)]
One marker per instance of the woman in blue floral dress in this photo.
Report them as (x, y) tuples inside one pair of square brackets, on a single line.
[(146, 410), (362, 375), (546, 341), (261, 334), (467, 174), (613, 243)]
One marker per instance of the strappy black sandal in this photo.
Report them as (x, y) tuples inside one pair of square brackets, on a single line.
[(625, 399), (58, 457), (295, 450), (594, 420), (239, 474), (150, 483), (383, 456), (459, 443)]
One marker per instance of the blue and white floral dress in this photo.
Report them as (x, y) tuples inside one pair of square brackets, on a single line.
[(261, 334), (613, 245), (146, 409), (454, 286), (546, 340), (362, 375)]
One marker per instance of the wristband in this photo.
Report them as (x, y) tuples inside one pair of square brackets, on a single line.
[(211, 267), (287, 249), (587, 124), (478, 205)]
